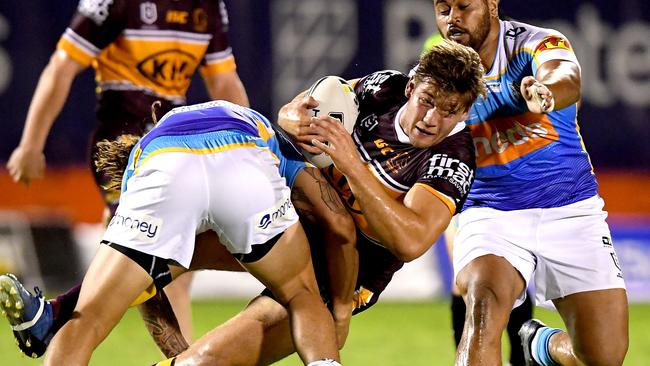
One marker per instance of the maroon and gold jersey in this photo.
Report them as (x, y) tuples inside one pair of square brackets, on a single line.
[(446, 170), (153, 46)]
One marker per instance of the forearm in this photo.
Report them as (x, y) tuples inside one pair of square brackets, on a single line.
[(400, 229), (159, 318), (343, 267), (563, 79)]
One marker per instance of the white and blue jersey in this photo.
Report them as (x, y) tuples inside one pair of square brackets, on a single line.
[(212, 127), (526, 160)]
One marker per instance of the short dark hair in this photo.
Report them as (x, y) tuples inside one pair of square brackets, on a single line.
[(452, 68)]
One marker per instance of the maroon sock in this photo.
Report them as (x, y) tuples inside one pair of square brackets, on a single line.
[(63, 306)]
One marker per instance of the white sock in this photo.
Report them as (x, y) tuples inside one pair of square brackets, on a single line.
[(324, 362), (533, 348)]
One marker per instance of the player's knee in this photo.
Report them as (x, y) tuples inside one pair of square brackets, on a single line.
[(611, 354), (483, 305)]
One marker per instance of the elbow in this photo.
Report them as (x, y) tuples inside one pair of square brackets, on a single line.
[(407, 252)]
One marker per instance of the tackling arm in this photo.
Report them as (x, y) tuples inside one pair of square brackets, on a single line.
[(557, 82), (408, 228)]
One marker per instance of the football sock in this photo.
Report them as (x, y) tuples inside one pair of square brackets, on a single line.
[(324, 362), (518, 317), (167, 362), (457, 316), (63, 306), (539, 346)]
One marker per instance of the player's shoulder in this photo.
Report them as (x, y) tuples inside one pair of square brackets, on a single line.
[(519, 36), (100, 10), (460, 145), (381, 85)]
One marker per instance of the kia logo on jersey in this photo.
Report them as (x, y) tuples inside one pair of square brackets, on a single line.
[(169, 69)]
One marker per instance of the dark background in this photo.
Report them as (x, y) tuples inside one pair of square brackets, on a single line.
[(281, 46)]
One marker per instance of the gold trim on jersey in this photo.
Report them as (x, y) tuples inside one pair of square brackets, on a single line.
[(451, 205), (77, 48)]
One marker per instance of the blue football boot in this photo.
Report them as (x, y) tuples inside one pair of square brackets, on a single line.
[(30, 316)]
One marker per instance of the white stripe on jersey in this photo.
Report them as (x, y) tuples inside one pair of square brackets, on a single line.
[(218, 56), (167, 35), (81, 42)]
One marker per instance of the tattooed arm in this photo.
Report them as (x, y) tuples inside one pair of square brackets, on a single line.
[(161, 322), (315, 199)]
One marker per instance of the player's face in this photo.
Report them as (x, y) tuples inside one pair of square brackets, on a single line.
[(429, 116), (464, 21)]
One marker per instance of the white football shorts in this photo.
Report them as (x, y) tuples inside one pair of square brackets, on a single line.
[(174, 196), (564, 250)]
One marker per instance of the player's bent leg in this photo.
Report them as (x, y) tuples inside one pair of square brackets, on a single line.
[(259, 335), (111, 275), (288, 272), (595, 339), (490, 285), (178, 293)]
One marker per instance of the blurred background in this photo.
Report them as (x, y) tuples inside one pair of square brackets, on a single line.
[(49, 231)]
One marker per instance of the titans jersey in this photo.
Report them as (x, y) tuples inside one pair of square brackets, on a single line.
[(152, 46), (446, 169), (196, 129), (526, 160)]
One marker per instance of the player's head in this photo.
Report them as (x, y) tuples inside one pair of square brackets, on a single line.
[(112, 158), (468, 22), (442, 89)]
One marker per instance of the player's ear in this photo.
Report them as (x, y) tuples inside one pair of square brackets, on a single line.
[(410, 86), (493, 8)]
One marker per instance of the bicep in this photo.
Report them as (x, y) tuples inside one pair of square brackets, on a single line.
[(432, 208)]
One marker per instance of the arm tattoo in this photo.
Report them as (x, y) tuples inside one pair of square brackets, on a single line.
[(161, 323), (327, 192)]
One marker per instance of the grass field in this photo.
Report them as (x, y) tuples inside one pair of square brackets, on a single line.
[(391, 334)]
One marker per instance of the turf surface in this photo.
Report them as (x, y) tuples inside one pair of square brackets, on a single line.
[(391, 334)]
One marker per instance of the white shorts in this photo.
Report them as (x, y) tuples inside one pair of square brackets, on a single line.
[(174, 196), (567, 249)]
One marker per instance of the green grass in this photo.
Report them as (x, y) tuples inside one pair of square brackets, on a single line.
[(391, 334)]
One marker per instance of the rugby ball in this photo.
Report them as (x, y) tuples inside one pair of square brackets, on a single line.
[(337, 99)]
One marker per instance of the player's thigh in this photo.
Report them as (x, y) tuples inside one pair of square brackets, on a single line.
[(287, 268), (110, 285), (597, 322)]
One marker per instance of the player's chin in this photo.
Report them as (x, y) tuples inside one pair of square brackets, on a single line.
[(423, 141)]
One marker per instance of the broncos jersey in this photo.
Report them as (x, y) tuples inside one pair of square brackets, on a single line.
[(446, 169), (152, 46), (196, 129), (526, 160)]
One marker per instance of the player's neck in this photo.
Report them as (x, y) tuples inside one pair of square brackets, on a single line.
[(488, 48)]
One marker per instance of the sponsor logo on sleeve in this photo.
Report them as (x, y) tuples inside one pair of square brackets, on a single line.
[(456, 172), (551, 43), (96, 10), (142, 227)]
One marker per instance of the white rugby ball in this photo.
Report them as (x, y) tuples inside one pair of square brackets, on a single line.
[(337, 99)]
